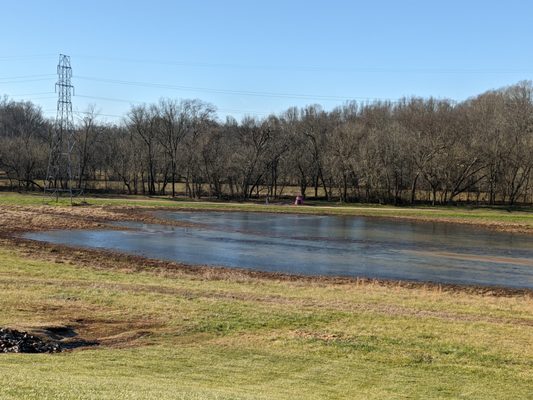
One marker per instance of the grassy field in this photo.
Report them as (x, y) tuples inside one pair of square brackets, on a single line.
[(179, 334), (173, 335)]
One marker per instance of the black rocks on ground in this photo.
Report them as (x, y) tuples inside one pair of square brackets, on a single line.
[(13, 341)]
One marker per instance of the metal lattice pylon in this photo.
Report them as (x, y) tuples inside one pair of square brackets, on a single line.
[(62, 175)]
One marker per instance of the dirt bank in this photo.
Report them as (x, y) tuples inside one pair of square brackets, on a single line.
[(15, 219)]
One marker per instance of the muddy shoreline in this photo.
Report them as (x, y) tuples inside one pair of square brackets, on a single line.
[(511, 227), (15, 220)]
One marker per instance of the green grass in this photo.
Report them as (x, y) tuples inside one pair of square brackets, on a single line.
[(483, 215), (244, 338)]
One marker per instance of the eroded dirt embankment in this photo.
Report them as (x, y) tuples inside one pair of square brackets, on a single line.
[(16, 219)]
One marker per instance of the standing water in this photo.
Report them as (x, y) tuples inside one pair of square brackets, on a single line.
[(324, 245)]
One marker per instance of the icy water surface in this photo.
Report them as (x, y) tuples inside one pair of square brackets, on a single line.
[(324, 245)]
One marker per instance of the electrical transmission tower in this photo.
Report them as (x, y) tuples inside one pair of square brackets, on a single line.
[(63, 172)]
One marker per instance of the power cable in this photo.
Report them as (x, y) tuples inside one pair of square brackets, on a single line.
[(142, 102), (27, 56), (228, 91), (371, 69), (25, 80), (28, 94), (110, 99), (26, 76)]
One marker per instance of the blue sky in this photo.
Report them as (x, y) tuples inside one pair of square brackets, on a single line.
[(257, 57)]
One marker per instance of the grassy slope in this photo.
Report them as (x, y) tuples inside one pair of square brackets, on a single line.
[(260, 339), (485, 214)]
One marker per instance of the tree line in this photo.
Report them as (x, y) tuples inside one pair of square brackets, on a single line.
[(412, 150)]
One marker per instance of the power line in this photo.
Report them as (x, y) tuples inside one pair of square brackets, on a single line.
[(228, 91), (223, 110), (25, 80), (110, 99), (26, 76), (197, 89), (232, 92), (141, 102), (42, 98), (370, 69), (26, 57), (208, 90), (28, 94), (98, 114)]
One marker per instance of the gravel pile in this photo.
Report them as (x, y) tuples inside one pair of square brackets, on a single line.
[(13, 341)]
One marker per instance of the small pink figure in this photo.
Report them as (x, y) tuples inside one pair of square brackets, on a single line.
[(299, 200)]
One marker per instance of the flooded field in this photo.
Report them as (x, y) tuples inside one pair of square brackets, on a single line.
[(323, 245)]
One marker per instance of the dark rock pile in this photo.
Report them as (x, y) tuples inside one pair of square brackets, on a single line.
[(13, 341)]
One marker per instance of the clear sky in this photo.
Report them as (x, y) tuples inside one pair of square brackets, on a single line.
[(256, 57)]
